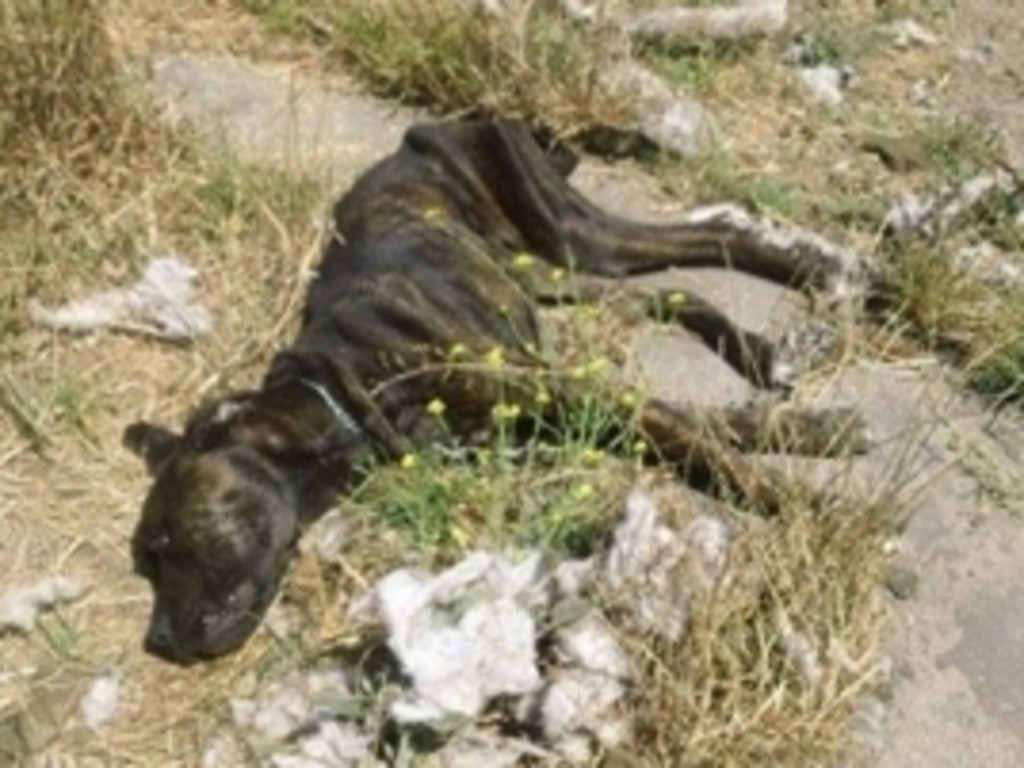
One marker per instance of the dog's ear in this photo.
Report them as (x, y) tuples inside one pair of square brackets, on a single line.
[(241, 418), (213, 424), (281, 424), (150, 442)]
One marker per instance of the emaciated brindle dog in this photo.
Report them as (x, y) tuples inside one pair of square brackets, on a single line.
[(423, 262)]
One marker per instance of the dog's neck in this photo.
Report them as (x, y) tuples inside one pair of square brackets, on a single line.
[(323, 450)]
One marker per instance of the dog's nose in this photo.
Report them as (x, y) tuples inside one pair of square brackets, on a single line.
[(158, 638), (160, 642)]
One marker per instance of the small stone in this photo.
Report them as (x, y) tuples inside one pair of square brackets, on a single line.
[(907, 33), (665, 115), (826, 83), (900, 154), (885, 691), (902, 581)]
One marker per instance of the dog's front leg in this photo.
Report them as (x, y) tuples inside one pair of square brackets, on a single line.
[(749, 354)]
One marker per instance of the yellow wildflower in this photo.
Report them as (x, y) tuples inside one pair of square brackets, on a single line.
[(522, 261), (583, 491), (495, 358), (460, 535), (593, 368), (506, 412)]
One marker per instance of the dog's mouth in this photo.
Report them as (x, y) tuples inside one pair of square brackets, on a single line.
[(183, 635), (216, 635)]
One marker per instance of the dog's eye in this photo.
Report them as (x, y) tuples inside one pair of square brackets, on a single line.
[(150, 553)]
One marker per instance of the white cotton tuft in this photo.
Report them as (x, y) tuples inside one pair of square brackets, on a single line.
[(100, 703), (20, 606), (463, 637), (159, 302)]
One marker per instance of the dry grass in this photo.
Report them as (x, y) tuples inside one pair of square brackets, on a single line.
[(70, 140), (971, 323), (771, 672), (528, 63), (962, 311), (61, 92), (93, 186)]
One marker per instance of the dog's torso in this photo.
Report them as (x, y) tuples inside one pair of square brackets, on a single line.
[(431, 266)]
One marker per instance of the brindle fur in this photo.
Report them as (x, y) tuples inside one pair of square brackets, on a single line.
[(422, 264)]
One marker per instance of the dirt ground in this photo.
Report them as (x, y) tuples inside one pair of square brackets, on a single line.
[(957, 646), (990, 81), (955, 643)]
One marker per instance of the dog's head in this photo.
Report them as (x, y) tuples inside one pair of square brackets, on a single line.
[(217, 530)]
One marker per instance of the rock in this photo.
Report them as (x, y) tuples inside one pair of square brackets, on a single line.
[(100, 704), (727, 21), (620, 758), (826, 83), (990, 264), (902, 581), (463, 637), (665, 115), (276, 117)]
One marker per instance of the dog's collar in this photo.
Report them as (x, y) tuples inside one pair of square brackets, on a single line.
[(345, 419)]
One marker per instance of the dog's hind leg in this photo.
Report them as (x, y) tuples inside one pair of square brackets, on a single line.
[(704, 459), (763, 427), (565, 228), (707, 446), (748, 353)]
